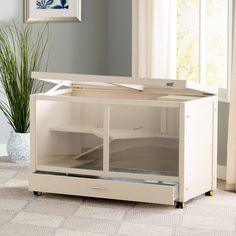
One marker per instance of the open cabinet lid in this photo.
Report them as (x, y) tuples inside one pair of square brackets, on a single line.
[(114, 82)]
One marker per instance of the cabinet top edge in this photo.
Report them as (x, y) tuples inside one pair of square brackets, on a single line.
[(130, 83)]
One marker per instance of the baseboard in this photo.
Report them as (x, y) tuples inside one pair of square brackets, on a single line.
[(3, 150), (221, 172)]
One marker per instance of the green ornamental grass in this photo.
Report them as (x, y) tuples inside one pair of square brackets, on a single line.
[(21, 52)]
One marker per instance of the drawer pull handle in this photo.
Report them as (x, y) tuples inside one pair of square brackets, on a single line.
[(97, 187)]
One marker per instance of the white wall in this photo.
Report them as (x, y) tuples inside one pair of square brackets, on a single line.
[(119, 32), (223, 133)]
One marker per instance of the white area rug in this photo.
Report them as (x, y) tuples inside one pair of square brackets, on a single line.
[(23, 214)]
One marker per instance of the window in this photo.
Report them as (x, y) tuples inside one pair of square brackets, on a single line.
[(185, 40), (204, 42)]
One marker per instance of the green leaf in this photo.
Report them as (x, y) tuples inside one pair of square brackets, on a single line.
[(20, 54)]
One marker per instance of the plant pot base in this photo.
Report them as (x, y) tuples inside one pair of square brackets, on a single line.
[(18, 148)]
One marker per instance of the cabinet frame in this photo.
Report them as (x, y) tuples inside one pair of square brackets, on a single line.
[(193, 108)]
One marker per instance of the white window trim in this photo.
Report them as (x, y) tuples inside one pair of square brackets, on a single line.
[(202, 41), (224, 93)]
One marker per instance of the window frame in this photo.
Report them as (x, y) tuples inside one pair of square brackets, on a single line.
[(223, 93)]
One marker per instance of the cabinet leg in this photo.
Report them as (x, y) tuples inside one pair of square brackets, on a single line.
[(36, 193), (179, 205), (210, 193)]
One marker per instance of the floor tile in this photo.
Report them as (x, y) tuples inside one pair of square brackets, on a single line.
[(144, 230), (103, 209), (221, 198), (210, 223), (38, 219), (100, 213), (64, 232), (57, 198), (90, 225), (6, 215), (12, 229), (210, 210), (156, 207), (191, 231), (23, 174), (3, 181), (154, 214), (6, 164), (117, 234), (151, 217), (5, 173), (109, 203), (11, 204), (16, 183), (20, 193), (50, 208)]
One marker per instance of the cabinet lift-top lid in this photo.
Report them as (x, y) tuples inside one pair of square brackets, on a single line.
[(113, 82)]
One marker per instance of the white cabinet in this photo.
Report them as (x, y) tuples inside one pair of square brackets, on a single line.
[(123, 138)]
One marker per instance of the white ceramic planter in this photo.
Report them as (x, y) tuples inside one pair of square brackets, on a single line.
[(18, 147)]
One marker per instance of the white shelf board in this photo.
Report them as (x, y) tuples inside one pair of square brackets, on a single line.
[(73, 128), (66, 161), (115, 134), (138, 133)]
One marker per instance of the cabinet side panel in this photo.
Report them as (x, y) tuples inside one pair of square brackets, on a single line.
[(196, 148), (181, 152), (32, 133), (172, 121), (215, 142)]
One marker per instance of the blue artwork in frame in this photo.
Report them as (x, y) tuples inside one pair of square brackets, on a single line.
[(52, 4), (53, 10)]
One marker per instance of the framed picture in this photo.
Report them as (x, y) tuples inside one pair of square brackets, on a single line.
[(52, 10)]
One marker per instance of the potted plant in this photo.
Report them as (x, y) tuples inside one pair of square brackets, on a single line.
[(21, 52)]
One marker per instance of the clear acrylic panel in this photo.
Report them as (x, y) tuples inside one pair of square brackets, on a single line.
[(71, 136), (145, 156), (90, 156), (144, 140)]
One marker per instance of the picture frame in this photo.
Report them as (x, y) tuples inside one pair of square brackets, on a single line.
[(52, 11)]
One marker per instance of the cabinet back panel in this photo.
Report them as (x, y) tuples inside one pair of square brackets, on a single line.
[(147, 156), (87, 114), (135, 117)]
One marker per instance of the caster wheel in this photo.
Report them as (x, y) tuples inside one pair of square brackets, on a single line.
[(38, 193), (179, 205), (210, 193)]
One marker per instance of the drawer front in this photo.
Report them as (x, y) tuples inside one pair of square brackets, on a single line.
[(99, 188)]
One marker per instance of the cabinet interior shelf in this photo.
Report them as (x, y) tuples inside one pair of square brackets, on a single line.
[(115, 134)]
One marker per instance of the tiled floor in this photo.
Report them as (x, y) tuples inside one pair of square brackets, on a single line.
[(23, 214)]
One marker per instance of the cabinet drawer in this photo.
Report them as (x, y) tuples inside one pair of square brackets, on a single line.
[(100, 188)]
